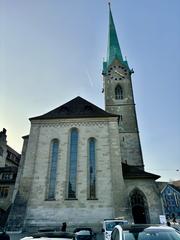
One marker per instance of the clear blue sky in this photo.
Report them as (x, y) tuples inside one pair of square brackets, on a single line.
[(52, 51)]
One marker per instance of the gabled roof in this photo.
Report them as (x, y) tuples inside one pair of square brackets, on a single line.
[(10, 149), (131, 172), (177, 189), (76, 108)]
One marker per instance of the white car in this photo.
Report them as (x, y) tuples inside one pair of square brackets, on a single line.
[(50, 236), (144, 232), (108, 226)]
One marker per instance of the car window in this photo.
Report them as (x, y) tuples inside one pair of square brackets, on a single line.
[(110, 225)]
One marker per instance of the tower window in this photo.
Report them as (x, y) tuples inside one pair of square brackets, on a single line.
[(118, 92), (73, 164)]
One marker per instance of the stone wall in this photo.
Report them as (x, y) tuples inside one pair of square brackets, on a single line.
[(33, 182), (150, 189), (125, 108)]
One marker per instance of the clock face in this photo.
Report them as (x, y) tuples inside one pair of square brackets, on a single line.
[(117, 73)]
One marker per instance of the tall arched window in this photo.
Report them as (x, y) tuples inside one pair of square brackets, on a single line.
[(73, 163), (92, 168), (118, 92), (53, 168)]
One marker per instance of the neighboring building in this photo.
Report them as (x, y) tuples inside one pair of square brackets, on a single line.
[(171, 200), (81, 164), (9, 161), (176, 183)]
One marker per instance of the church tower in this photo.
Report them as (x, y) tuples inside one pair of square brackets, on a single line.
[(119, 98)]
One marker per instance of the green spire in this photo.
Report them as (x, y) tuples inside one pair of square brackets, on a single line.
[(113, 50)]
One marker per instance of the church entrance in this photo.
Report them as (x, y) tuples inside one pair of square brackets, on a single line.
[(139, 214), (139, 207), (3, 217)]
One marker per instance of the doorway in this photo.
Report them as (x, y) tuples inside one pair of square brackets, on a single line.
[(139, 207), (139, 214)]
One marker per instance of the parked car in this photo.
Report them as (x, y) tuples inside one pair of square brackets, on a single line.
[(84, 233), (144, 232), (50, 235), (176, 227), (108, 226)]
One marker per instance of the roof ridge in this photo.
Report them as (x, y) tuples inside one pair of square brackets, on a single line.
[(78, 107)]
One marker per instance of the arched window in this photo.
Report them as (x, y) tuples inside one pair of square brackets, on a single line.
[(92, 168), (73, 163), (53, 168), (118, 92)]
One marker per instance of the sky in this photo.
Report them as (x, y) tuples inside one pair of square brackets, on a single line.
[(52, 51)]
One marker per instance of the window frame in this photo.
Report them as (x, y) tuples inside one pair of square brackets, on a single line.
[(119, 93), (89, 161), (52, 170), (72, 156)]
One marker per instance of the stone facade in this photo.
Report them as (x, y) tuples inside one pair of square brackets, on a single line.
[(151, 192), (118, 75), (43, 212), (33, 210), (9, 161), (3, 147)]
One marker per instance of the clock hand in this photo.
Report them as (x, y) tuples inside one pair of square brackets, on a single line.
[(119, 73)]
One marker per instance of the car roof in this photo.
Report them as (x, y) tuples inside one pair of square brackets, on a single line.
[(83, 232), (115, 220), (82, 228), (147, 227), (65, 235)]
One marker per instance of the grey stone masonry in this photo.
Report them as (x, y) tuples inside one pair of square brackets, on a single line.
[(119, 75)]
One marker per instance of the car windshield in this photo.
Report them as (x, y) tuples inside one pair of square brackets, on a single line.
[(83, 235), (163, 235), (110, 225), (83, 232)]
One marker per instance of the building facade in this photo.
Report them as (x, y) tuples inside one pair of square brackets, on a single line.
[(171, 201), (81, 164), (9, 162)]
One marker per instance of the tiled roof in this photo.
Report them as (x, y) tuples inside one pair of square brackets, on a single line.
[(131, 172), (76, 108), (11, 150), (176, 188)]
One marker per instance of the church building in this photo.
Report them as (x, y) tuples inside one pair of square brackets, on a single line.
[(81, 164)]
